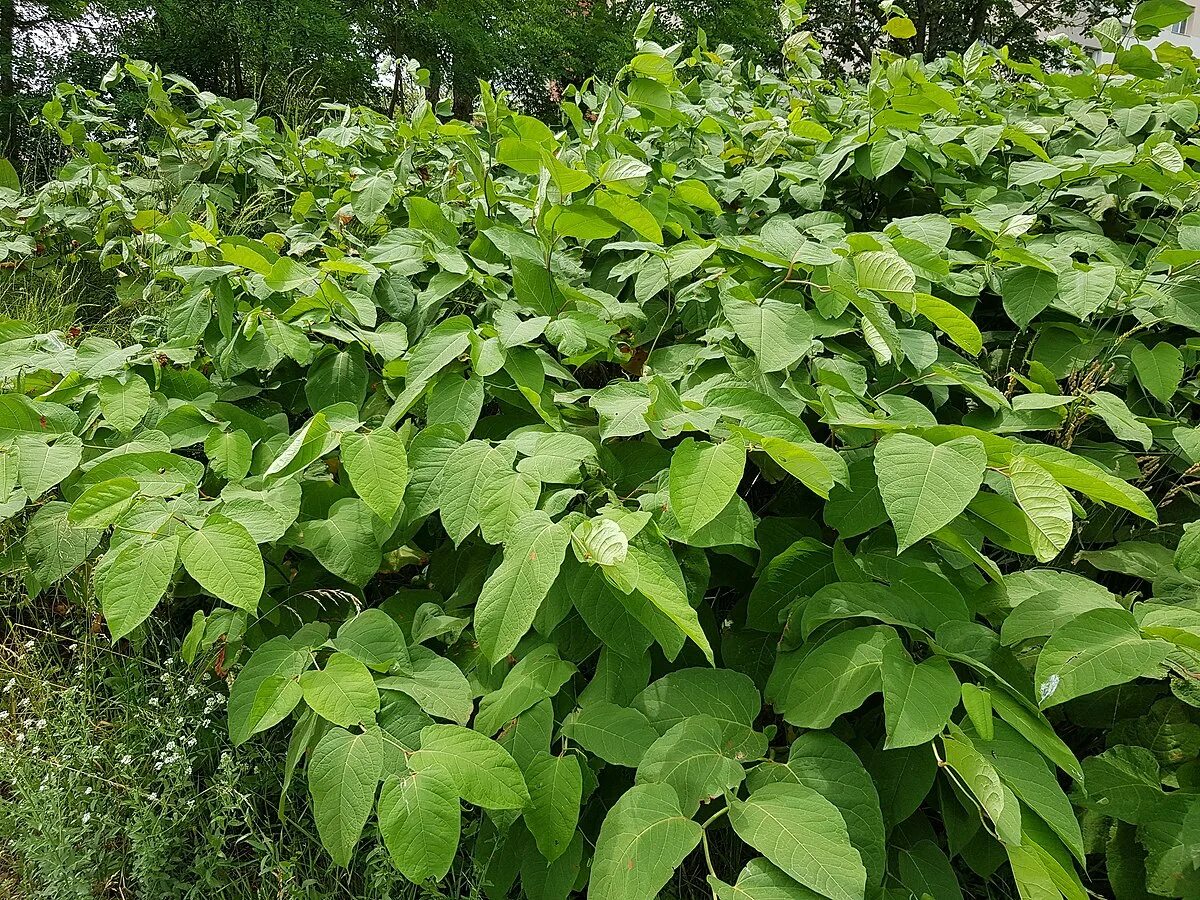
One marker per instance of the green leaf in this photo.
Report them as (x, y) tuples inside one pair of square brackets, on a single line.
[(377, 464), (885, 273), (644, 838), (555, 790), (1026, 292), (42, 465), (1047, 504), (481, 770), (343, 692), (615, 734), (1160, 370), (131, 585), (693, 759), (343, 773), (1023, 769), (124, 404), (900, 27), (729, 697), (761, 880), (925, 486), (267, 688), (420, 820), (822, 762), (444, 343), (536, 677), (225, 561), (375, 640), (1161, 13), (1082, 475), (918, 698), (436, 683), (346, 542), (836, 677), (312, 441), (460, 486), (1120, 419), (953, 321), (778, 333), (102, 504), (983, 781), (229, 453), (703, 479), (1095, 650), (800, 831), (511, 596)]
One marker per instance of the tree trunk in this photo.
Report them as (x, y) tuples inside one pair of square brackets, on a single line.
[(464, 100), (10, 114), (433, 93), (395, 90)]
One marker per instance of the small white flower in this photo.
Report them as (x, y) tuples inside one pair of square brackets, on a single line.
[(126, 759), (87, 817)]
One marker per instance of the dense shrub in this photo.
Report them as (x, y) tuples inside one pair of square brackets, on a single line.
[(603, 479)]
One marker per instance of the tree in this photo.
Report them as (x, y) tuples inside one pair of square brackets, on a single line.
[(850, 30), (27, 30), (268, 49)]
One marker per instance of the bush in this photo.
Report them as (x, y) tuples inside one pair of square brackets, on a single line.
[(762, 473)]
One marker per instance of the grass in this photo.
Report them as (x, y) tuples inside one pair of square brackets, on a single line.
[(117, 780)]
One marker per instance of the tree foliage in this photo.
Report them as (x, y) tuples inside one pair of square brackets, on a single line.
[(803, 461)]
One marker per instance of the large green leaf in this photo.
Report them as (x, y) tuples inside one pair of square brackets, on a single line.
[(918, 698), (378, 468), (644, 838), (1097, 649), (555, 789), (511, 596), (1047, 504), (481, 770), (925, 486), (703, 479), (343, 773), (693, 758), (800, 831), (343, 692), (267, 688), (132, 583), (225, 561), (419, 818)]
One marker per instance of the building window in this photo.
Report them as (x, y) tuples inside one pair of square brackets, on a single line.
[(1182, 27)]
